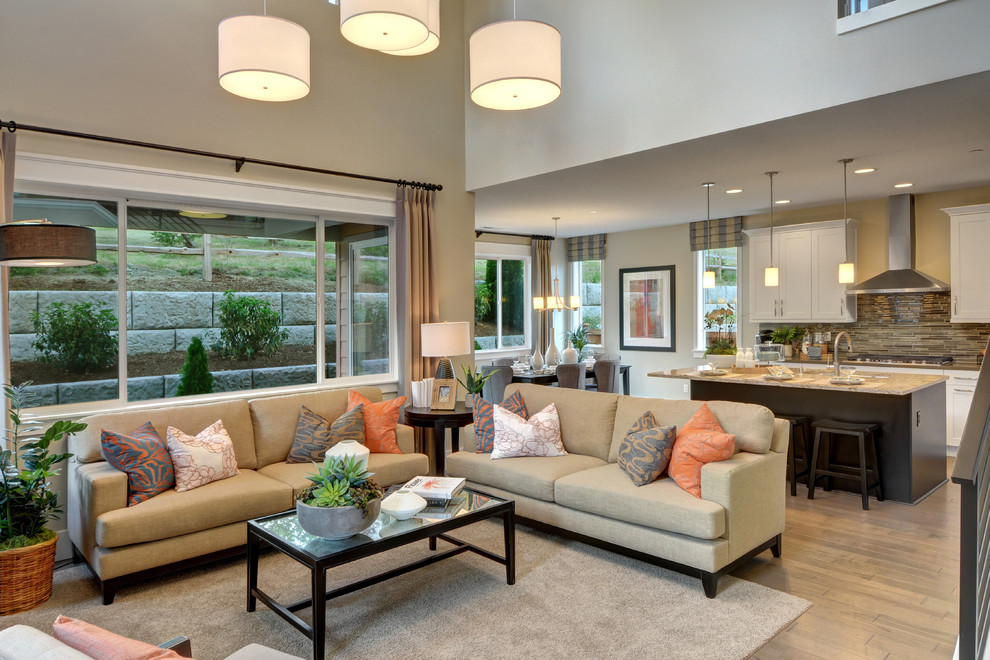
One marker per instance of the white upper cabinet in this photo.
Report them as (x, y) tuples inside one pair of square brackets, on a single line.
[(969, 267), (808, 257)]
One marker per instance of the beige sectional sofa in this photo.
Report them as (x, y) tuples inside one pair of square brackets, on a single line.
[(123, 544), (586, 495)]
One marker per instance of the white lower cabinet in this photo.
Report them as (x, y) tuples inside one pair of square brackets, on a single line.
[(958, 398)]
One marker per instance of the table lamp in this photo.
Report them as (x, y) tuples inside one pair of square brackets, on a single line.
[(443, 340)]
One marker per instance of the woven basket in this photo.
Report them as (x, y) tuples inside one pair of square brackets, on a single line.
[(26, 576)]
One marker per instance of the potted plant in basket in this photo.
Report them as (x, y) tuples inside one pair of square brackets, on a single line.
[(27, 504), (721, 350), (474, 383), (343, 500)]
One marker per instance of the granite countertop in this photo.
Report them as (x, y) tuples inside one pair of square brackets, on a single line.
[(964, 364), (873, 382)]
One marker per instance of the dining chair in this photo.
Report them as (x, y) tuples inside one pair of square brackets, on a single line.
[(571, 375), (607, 376), (493, 391), (502, 362)]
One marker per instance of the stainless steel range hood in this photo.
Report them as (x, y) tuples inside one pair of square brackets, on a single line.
[(901, 275)]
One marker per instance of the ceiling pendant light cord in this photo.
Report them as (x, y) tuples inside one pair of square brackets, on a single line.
[(845, 205), (771, 175)]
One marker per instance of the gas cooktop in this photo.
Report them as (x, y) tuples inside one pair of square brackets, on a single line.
[(902, 359)]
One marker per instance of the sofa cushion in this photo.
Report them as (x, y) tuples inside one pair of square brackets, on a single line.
[(607, 491), (700, 441), (750, 423), (532, 476), (484, 420), (203, 459), (380, 420), (245, 496), (386, 469), (20, 642), (144, 456), (99, 643), (645, 449), (537, 436), (586, 418), (315, 434)]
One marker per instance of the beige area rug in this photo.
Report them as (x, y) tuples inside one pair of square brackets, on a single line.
[(569, 601)]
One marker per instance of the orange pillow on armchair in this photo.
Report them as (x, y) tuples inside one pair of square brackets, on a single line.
[(699, 441), (379, 422)]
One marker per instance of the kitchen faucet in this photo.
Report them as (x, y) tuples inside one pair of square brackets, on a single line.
[(835, 349)]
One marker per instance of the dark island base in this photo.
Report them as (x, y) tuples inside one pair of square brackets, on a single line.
[(912, 439)]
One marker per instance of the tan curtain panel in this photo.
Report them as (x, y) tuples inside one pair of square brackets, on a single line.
[(8, 142), (716, 233), (542, 286), (415, 212), (586, 248)]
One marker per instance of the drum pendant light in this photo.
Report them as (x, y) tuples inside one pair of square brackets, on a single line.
[(771, 274), (708, 279), (432, 41), (39, 243), (847, 269), (264, 58), (387, 25), (515, 64)]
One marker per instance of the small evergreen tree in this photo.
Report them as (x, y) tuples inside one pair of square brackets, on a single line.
[(195, 375)]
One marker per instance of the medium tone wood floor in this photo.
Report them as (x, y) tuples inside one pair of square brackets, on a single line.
[(883, 582)]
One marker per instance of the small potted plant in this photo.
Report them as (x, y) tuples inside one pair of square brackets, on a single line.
[(579, 339), (474, 383), (343, 500), (789, 337), (721, 349), (27, 504)]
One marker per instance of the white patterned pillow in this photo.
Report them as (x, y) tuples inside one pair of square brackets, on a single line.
[(537, 436), (198, 461)]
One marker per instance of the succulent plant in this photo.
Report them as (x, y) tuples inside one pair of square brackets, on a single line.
[(341, 482)]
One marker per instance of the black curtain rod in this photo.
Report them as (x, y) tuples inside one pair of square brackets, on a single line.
[(535, 237), (239, 161)]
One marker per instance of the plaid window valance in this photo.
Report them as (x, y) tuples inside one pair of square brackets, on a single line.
[(716, 233), (586, 248)]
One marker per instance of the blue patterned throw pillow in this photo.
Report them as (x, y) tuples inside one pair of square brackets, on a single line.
[(144, 456), (315, 434), (645, 450), (484, 419)]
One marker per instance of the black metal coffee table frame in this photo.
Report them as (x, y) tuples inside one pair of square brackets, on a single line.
[(318, 565)]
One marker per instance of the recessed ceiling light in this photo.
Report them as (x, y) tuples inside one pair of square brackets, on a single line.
[(865, 170), (592, 212), (733, 191), (783, 201), (903, 185)]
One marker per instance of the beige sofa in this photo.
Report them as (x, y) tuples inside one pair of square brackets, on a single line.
[(586, 495), (172, 530)]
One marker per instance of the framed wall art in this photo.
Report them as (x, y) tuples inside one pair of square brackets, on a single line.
[(646, 308)]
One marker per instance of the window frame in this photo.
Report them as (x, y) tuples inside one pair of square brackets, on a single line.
[(700, 343), (134, 185), (881, 13), (573, 281), (509, 252)]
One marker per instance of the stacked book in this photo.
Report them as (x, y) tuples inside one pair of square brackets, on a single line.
[(441, 494)]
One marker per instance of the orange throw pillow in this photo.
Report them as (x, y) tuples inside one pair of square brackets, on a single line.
[(379, 422), (99, 643), (699, 441)]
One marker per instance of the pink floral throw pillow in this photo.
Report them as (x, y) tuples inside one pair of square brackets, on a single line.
[(198, 461), (537, 436)]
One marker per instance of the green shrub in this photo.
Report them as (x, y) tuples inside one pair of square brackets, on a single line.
[(248, 326), (195, 377), (77, 338), (167, 239)]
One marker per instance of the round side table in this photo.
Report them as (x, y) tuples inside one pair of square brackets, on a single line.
[(439, 421)]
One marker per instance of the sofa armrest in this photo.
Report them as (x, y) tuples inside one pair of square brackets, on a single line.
[(405, 438), (751, 489), (94, 489)]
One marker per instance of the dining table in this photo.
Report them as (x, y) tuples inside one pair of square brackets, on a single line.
[(549, 378)]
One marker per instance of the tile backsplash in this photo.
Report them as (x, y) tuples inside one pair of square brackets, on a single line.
[(910, 324)]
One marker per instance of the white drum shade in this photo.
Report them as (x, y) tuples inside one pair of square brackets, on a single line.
[(445, 339), (265, 58), (432, 41), (385, 24), (515, 65)]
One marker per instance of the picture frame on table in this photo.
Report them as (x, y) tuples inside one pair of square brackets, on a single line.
[(646, 309), (444, 396)]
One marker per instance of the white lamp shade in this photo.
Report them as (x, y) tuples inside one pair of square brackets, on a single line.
[(432, 41), (515, 65), (771, 276), (445, 339), (385, 24), (708, 280), (575, 302), (847, 273), (264, 58), (538, 303)]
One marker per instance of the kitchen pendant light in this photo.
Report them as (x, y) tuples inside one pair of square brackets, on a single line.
[(432, 41), (387, 25), (708, 279), (847, 269), (264, 58), (515, 64), (771, 274), (555, 302)]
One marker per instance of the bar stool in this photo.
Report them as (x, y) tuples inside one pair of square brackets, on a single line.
[(860, 431), (797, 422)]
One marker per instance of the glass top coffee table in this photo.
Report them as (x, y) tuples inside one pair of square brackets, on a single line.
[(282, 532)]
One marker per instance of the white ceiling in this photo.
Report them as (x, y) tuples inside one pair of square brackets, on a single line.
[(936, 136)]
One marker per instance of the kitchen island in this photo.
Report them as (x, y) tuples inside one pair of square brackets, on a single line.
[(910, 409)]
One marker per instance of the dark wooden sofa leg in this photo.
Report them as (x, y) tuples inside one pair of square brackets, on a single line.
[(109, 589), (710, 582), (776, 547)]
